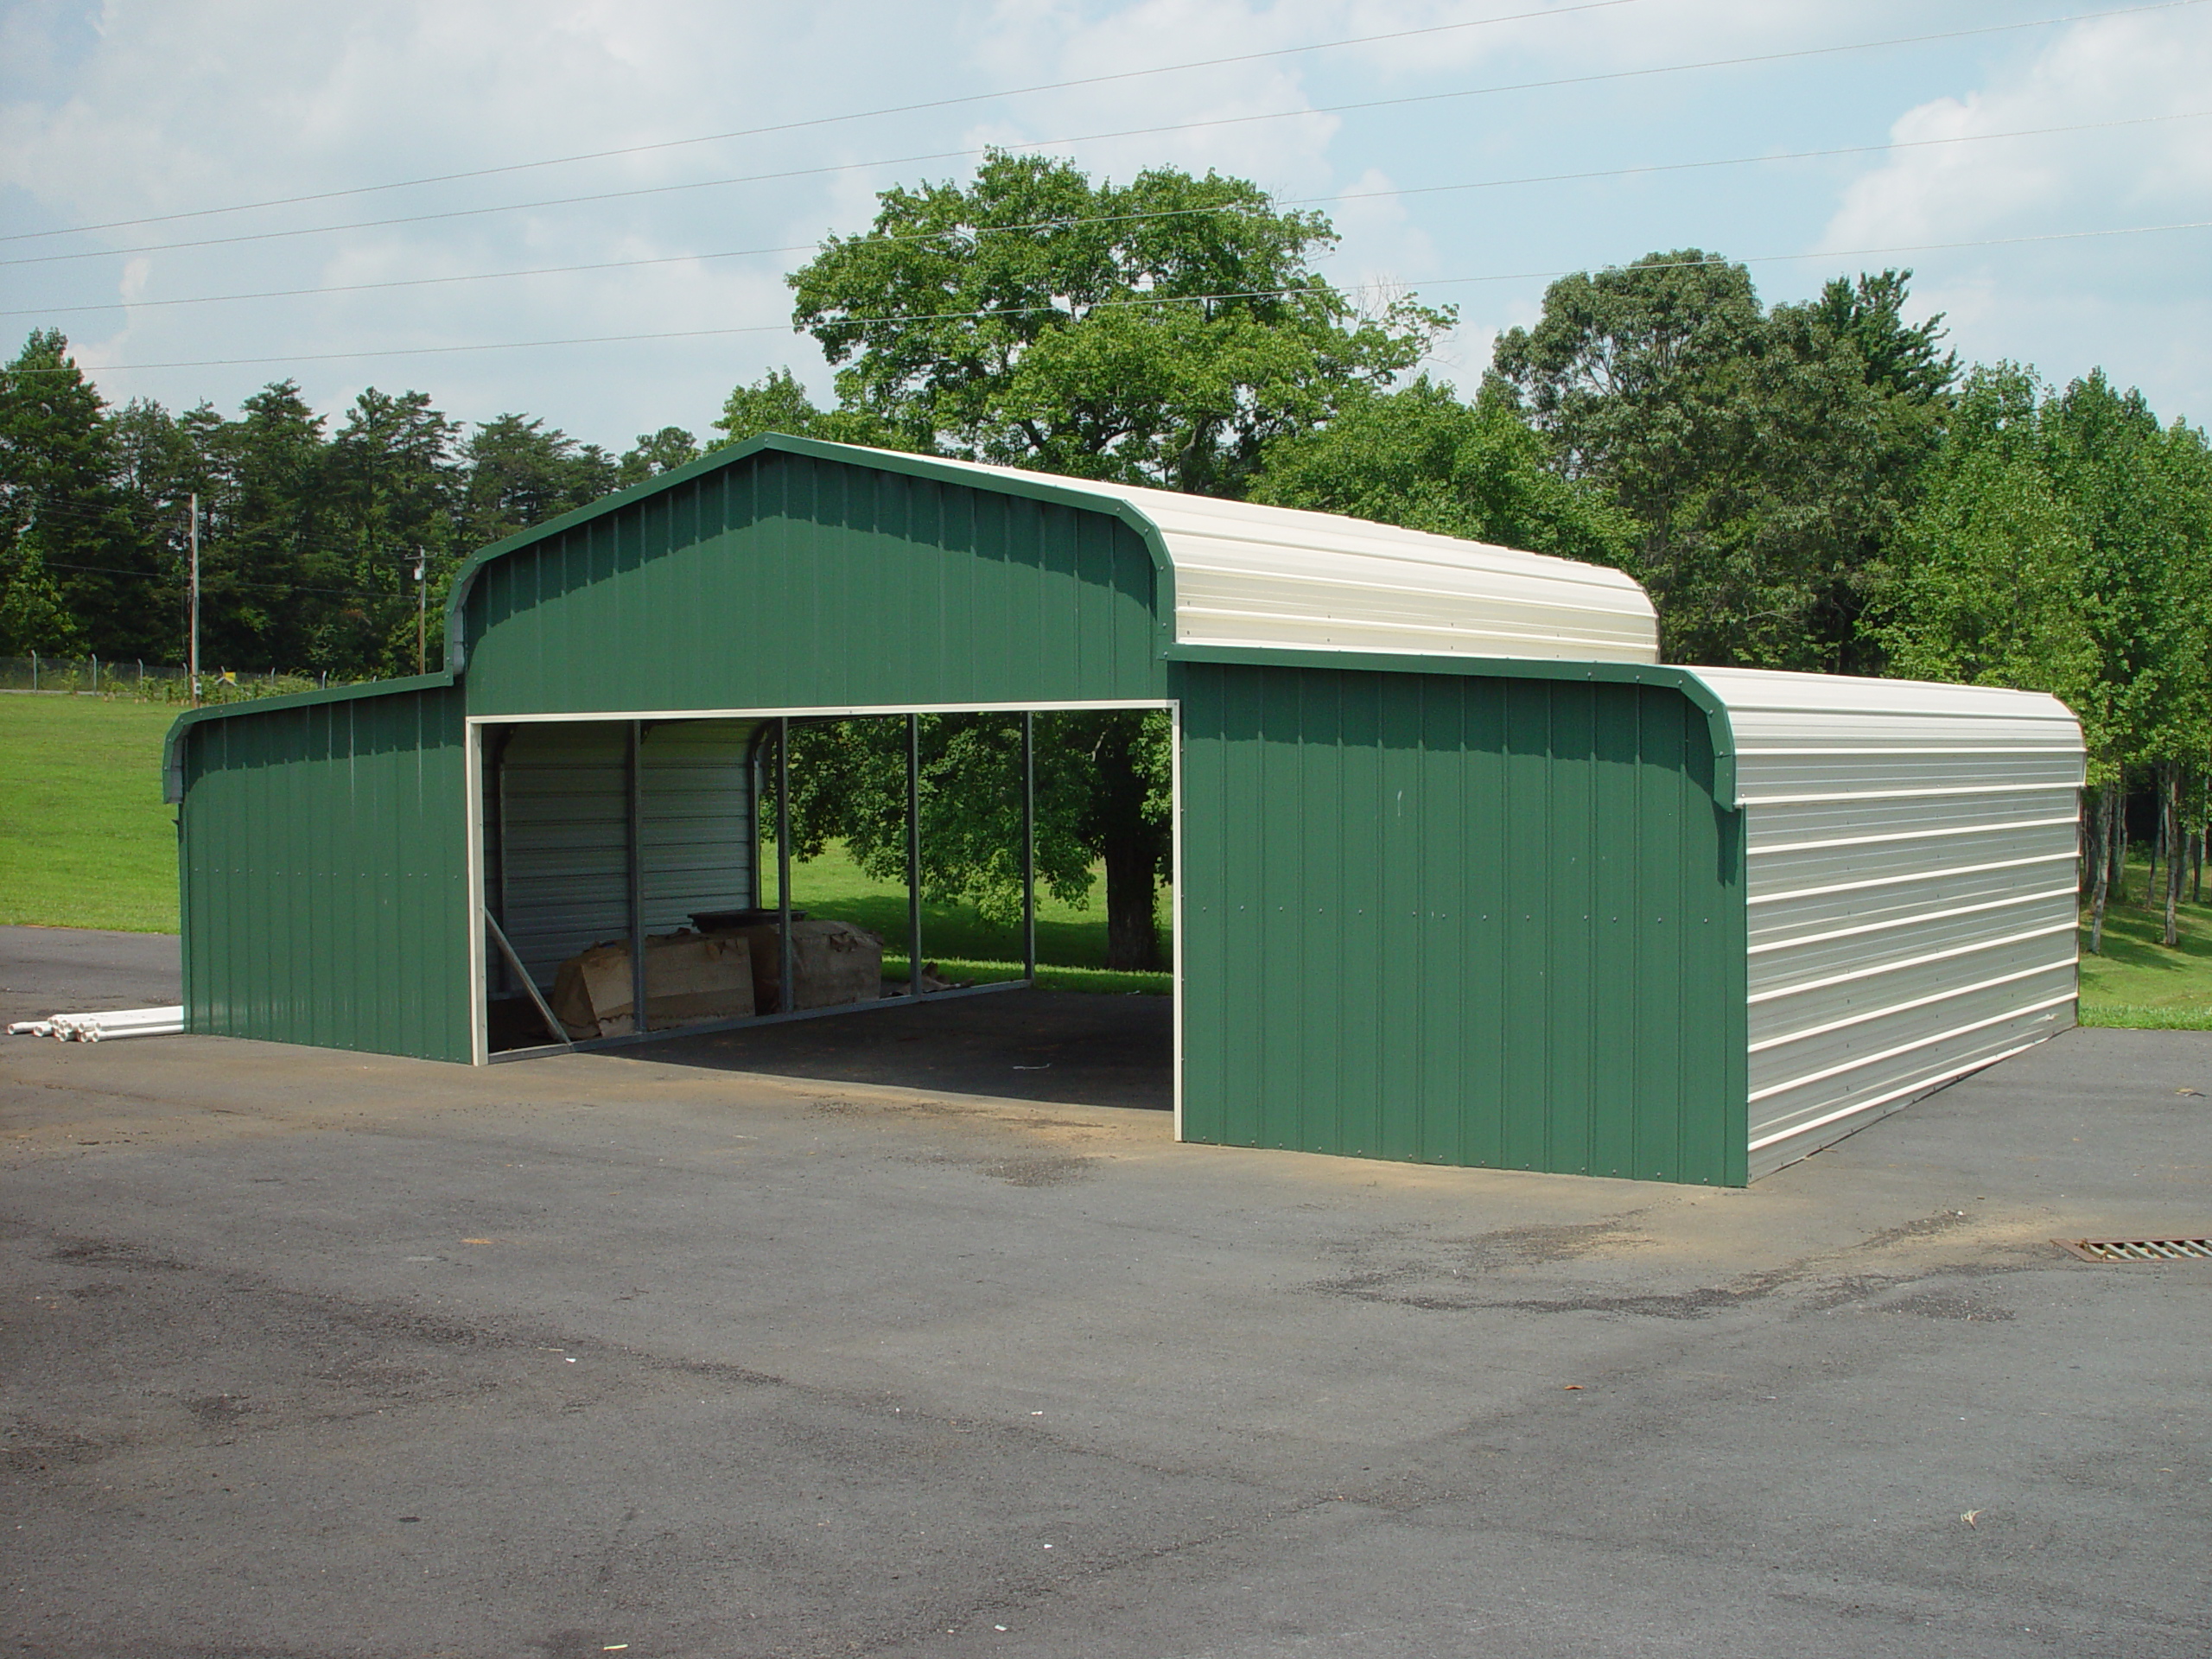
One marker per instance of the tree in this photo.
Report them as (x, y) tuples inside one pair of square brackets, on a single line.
[(73, 568), (1102, 795), (777, 402), (1767, 458), (1162, 332), (1158, 333), (1423, 459), (518, 473), (394, 482), (655, 453), (2063, 544)]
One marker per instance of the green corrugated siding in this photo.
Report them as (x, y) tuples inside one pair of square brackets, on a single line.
[(324, 870), (786, 582), (1461, 920)]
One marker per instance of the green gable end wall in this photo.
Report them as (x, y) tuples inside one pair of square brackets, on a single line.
[(787, 581), (325, 876), (1461, 920)]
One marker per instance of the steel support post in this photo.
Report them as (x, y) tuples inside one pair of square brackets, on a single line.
[(1029, 846), (913, 855), (637, 842), (786, 991)]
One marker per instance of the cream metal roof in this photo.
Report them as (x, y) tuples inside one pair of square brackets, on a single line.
[(1249, 575)]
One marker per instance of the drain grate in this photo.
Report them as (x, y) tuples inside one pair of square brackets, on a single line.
[(2138, 1249)]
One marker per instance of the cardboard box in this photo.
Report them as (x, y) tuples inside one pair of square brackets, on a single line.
[(833, 963), (689, 977)]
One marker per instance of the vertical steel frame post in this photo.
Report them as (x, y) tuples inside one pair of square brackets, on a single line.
[(913, 855), (787, 992), (637, 842), (1029, 846)]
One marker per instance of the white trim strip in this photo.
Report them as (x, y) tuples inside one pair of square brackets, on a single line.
[(1925, 1086), (853, 711), (1878, 789), (1946, 874), (1940, 832), (1907, 1048), (1896, 923), (1927, 1002)]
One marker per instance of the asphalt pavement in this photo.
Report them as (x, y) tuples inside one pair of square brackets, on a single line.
[(306, 1353)]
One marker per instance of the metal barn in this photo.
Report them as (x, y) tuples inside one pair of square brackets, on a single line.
[(1462, 874)]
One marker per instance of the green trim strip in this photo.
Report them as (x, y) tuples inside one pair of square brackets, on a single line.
[(1684, 680)]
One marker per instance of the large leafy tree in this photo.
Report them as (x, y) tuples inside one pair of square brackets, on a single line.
[(1767, 458), (1421, 458), (2063, 544), (1159, 332)]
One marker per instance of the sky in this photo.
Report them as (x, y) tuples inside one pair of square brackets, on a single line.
[(2011, 152)]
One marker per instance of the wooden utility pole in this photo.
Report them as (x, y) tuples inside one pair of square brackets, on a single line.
[(422, 617), (194, 648)]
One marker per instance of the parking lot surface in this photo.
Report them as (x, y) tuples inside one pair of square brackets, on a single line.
[(311, 1354)]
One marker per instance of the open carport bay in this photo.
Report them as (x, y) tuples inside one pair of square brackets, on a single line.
[(315, 1354)]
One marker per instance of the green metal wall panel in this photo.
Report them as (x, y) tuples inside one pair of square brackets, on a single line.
[(1457, 919), (784, 581), (323, 861)]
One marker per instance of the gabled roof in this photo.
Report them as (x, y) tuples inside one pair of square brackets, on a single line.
[(1246, 576)]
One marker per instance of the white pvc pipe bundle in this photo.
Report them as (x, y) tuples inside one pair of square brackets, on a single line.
[(103, 1027)]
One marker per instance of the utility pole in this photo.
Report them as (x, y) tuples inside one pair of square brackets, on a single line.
[(422, 616), (195, 669)]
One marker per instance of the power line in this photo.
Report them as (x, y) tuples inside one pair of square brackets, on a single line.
[(833, 120), (1114, 219), (1137, 301), (225, 582), (1132, 132)]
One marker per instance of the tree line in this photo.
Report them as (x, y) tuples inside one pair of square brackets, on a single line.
[(1820, 485)]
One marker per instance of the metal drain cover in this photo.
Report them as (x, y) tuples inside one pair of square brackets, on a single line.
[(2138, 1249)]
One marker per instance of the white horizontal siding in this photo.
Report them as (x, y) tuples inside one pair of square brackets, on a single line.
[(1910, 883), (1275, 576), (565, 826)]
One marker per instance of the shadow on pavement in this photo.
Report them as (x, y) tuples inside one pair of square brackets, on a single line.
[(1070, 1047)]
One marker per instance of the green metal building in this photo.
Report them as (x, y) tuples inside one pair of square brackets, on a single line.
[(1462, 875)]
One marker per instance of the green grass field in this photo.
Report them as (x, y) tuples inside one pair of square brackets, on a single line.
[(1070, 943), (2137, 982), (86, 841), (84, 838)]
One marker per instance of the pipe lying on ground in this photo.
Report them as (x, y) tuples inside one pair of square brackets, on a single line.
[(103, 1027)]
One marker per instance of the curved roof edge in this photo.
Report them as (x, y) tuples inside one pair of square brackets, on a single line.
[(1785, 723), (1684, 680)]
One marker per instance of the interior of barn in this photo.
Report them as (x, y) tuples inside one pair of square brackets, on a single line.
[(656, 863)]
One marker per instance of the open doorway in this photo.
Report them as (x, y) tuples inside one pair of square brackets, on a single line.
[(633, 852)]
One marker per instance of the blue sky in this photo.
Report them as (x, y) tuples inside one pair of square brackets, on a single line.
[(135, 109)]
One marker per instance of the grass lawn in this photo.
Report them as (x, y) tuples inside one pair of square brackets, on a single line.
[(86, 840), (1070, 943), (2138, 982)]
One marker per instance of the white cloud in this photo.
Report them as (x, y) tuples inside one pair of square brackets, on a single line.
[(2069, 300), (111, 108)]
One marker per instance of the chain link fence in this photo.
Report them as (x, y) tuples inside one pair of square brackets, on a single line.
[(154, 681)]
